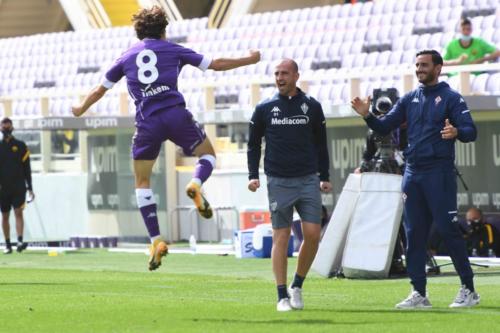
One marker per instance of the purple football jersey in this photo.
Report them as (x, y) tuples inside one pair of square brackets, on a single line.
[(152, 67)]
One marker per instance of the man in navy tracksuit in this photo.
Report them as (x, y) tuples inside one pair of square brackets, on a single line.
[(436, 116), (296, 165)]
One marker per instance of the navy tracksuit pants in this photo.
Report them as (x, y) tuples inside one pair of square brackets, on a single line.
[(431, 197)]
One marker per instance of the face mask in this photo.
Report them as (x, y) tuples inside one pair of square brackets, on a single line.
[(465, 38), (6, 132)]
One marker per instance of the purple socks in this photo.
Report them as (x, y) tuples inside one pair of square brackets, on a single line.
[(204, 168), (147, 206)]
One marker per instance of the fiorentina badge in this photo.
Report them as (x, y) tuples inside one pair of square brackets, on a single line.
[(304, 108), (437, 100)]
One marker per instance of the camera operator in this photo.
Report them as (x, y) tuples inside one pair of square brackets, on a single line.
[(480, 236)]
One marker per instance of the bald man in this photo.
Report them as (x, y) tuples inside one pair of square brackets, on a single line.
[(296, 164)]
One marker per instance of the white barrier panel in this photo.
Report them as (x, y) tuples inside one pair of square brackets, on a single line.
[(374, 227), (331, 247)]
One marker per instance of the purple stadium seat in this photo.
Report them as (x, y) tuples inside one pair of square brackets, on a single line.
[(479, 83), (399, 7), (355, 10), (390, 6), (341, 23), (324, 12), (314, 14), (431, 17), (338, 37), (383, 58), (366, 8), (333, 12), (408, 57), (319, 25), (493, 84), (345, 48), (328, 37), (356, 48), (384, 34), (456, 13), (443, 3), (422, 41), (378, 8), (348, 60), (344, 10), (488, 22), (435, 41), (375, 21), (360, 34), (423, 4), (311, 50), (372, 34), (370, 60), (496, 36), (399, 43), (295, 15), (476, 22), (411, 5), (469, 4), (396, 31), (487, 34), (442, 14)]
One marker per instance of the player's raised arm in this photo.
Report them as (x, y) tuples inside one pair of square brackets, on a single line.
[(224, 64), (93, 96)]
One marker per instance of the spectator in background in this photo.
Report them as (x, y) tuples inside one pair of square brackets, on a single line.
[(467, 50), (15, 179), (480, 236)]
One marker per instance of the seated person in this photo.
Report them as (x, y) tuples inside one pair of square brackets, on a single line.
[(480, 236)]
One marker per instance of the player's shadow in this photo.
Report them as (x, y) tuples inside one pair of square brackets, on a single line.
[(443, 311), (283, 321), (34, 284)]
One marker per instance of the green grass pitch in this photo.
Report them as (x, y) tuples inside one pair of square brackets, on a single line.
[(99, 291)]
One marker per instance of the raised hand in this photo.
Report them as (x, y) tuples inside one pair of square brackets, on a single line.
[(255, 56), (448, 132), (362, 107)]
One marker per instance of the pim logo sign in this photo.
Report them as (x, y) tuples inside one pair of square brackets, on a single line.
[(295, 120), (346, 155)]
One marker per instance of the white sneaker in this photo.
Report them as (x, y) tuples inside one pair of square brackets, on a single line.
[(296, 298), (414, 301), (284, 305), (465, 298)]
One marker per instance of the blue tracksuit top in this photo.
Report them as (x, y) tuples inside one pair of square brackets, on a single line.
[(425, 110), (295, 133)]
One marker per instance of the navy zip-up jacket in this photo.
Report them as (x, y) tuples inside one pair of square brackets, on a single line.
[(295, 133), (425, 110)]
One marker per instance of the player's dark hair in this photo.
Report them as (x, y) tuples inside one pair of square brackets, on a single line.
[(6, 121), (436, 57), (465, 21), (150, 23)]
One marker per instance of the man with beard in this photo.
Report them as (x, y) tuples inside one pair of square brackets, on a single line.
[(436, 117)]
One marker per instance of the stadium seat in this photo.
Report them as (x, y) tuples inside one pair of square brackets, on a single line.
[(493, 84), (479, 83), (366, 8)]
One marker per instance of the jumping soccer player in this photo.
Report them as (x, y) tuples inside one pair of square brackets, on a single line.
[(152, 67)]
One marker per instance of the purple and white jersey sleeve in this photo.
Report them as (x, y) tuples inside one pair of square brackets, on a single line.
[(190, 57), (113, 75)]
